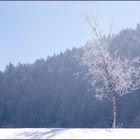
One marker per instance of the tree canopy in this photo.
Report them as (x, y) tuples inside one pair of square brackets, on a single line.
[(50, 93)]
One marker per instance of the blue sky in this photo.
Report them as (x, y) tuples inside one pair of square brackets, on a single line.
[(31, 30)]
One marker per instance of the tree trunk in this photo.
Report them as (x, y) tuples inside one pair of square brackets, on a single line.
[(114, 111)]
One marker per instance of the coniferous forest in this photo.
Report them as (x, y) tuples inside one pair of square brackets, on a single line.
[(53, 92)]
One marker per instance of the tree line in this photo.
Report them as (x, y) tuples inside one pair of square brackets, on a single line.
[(54, 93)]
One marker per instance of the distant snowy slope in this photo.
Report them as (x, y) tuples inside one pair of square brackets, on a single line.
[(65, 133)]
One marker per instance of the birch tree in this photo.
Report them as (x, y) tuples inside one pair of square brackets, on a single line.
[(110, 76)]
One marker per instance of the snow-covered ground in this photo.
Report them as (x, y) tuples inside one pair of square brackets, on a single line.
[(65, 133)]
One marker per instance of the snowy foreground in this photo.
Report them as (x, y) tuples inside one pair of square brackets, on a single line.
[(65, 133)]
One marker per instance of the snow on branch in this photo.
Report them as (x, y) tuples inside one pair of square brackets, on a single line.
[(108, 73)]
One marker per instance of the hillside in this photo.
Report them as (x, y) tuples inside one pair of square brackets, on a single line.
[(54, 92)]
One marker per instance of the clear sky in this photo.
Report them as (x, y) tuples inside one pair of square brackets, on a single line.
[(31, 30)]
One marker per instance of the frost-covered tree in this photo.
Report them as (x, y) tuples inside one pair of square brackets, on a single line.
[(110, 76)]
